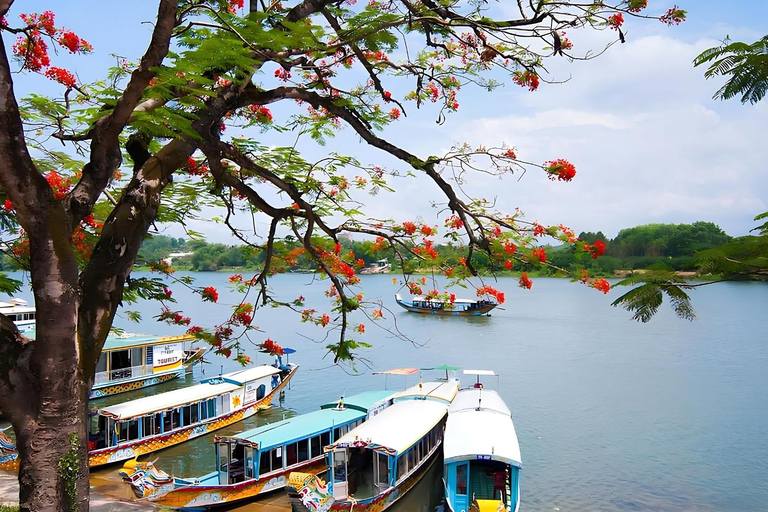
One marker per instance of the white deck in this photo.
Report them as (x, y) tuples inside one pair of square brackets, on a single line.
[(489, 431), (398, 426), (444, 391), (178, 397)]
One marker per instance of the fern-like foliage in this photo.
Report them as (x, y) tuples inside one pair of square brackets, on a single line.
[(746, 65), (645, 300)]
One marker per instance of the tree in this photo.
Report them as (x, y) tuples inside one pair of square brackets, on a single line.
[(77, 224), (746, 65)]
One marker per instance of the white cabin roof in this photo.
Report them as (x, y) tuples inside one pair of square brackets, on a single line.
[(442, 390), (489, 431), (178, 397), (399, 426)]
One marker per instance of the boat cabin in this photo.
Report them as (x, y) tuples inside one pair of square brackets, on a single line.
[(164, 413), (384, 452), (19, 313)]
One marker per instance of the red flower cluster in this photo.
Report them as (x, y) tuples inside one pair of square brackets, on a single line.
[(493, 292), (33, 52), (262, 113), (172, 317), (325, 319), (272, 348), (673, 16), (510, 248), (540, 254), (615, 21), (360, 328), (560, 169), (637, 5), (234, 5), (510, 153), (414, 289), (602, 285), (73, 43), (508, 264), (394, 114), (62, 76), (409, 227), (236, 278), (539, 230), (596, 249), (58, 184), (524, 282), (454, 222), (210, 294), (283, 74), (527, 79)]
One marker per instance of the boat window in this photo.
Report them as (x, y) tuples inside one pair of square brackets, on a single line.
[(291, 454), (340, 466), (222, 450), (316, 446), (325, 439), (264, 462), (276, 458), (101, 366), (249, 462), (148, 425), (382, 470), (119, 359), (461, 479), (204, 410), (303, 447), (175, 418), (150, 355), (187, 414), (412, 459), (129, 431), (401, 466), (261, 391), (194, 416), (211, 405), (223, 405), (167, 421), (137, 358)]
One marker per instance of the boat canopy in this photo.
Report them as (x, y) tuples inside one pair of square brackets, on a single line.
[(419, 298), (446, 367), (398, 371), (362, 401), (480, 424), (396, 428), (480, 372), (127, 340), (208, 389), (444, 391), (307, 425)]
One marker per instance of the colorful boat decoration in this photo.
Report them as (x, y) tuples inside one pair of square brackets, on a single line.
[(459, 307), (376, 463), (259, 460), (130, 429), (481, 455), (133, 361), (9, 455)]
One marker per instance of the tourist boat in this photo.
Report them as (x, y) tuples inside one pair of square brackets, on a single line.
[(128, 361), (259, 460), (459, 307), (124, 431), (377, 267), (376, 463), (134, 361), (481, 455), (19, 313)]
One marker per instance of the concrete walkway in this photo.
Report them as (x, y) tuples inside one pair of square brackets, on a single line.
[(9, 495)]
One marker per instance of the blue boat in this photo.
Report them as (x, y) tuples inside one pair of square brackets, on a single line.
[(259, 460), (481, 454), (459, 307)]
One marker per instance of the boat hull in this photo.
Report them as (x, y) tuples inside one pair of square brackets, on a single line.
[(114, 388), (480, 311)]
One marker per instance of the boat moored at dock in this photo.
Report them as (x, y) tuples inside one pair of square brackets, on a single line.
[(481, 454), (259, 460)]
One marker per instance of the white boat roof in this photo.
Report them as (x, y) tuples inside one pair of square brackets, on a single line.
[(480, 372), (489, 431), (398, 427), (178, 397), (16, 306), (442, 390)]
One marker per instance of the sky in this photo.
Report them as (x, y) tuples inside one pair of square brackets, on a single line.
[(649, 143)]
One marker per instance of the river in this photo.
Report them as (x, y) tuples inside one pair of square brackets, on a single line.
[(610, 414)]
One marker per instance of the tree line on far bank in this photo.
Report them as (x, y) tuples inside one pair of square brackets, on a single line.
[(670, 246)]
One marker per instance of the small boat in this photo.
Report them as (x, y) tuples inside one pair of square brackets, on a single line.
[(130, 429), (459, 307), (376, 463), (377, 267), (481, 455), (259, 460), (19, 313)]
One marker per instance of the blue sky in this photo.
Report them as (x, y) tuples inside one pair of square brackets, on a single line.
[(648, 141)]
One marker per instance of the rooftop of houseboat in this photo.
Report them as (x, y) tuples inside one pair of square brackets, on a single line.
[(125, 341), (443, 390), (207, 389), (479, 423), (398, 426)]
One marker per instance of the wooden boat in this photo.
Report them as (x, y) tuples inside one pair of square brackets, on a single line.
[(481, 455), (129, 429), (459, 307), (376, 463), (259, 460)]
